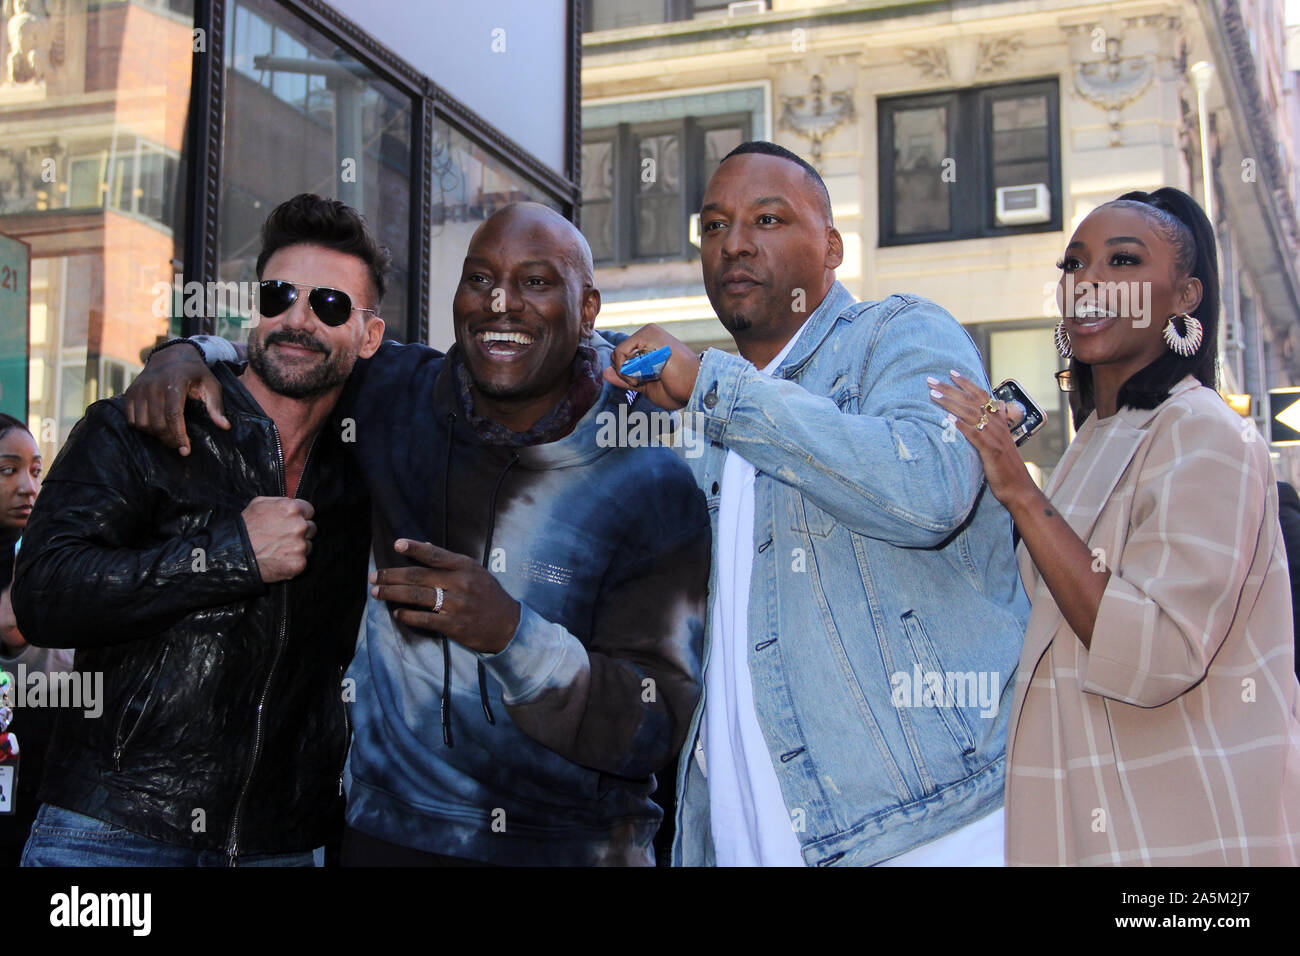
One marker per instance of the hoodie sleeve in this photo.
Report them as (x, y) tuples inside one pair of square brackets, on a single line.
[(622, 703)]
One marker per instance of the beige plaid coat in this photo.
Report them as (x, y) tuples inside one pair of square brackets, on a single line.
[(1175, 740)]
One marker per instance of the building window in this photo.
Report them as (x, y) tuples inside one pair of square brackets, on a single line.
[(1003, 139), (641, 183), (616, 14), (137, 177)]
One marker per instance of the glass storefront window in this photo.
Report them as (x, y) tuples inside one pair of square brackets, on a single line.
[(92, 127), (469, 184), (303, 116), (98, 164)]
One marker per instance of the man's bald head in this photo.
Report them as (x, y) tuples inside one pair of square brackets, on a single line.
[(542, 222)]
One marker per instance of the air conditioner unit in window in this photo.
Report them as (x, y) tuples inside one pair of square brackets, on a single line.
[(1018, 205), (745, 8)]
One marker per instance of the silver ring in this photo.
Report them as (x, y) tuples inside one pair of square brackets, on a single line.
[(439, 594)]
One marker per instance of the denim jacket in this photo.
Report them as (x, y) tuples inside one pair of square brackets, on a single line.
[(886, 613)]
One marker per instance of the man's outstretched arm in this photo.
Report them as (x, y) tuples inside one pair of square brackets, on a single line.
[(894, 470), (155, 401)]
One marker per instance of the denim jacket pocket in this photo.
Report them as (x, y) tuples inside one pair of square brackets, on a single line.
[(808, 518), (927, 660)]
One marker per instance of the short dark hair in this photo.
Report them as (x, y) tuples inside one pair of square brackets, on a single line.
[(1179, 220), (763, 148), (8, 423), (307, 219)]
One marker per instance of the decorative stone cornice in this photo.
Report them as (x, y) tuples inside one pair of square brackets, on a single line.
[(1113, 83), (931, 61), (963, 59), (816, 115), (1170, 22), (995, 53)]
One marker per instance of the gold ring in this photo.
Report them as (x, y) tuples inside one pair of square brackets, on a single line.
[(984, 420), (991, 406)]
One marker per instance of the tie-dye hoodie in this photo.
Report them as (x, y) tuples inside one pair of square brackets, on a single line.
[(544, 753)]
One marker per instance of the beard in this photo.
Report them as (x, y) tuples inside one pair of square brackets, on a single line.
[(735, 322), (297, 383), (738, 318)]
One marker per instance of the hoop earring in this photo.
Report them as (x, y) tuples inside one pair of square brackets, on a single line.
[(1061, 340), (1184, 345)]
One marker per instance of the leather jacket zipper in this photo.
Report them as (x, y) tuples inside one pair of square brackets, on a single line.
[(232, 844), (153, 686)]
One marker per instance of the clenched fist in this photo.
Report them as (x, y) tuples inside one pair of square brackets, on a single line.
[(280, 530)]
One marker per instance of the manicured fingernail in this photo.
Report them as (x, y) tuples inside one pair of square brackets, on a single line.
[(374, 577), (400, 545), (935, 393), (931, 380), (374, 592), (955, 374)]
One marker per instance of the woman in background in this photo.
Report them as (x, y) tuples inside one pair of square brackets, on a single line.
[(20, 480), (1154, 720)]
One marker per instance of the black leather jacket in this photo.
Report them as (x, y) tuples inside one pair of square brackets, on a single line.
[(140, 559)]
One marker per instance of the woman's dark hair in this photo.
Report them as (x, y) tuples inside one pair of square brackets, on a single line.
[(1179, 220), (311, 219), (8, 423)]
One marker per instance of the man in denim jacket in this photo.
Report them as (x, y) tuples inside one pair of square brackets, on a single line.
[(866, 611)]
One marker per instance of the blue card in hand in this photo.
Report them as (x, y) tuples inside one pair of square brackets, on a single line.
[(646, 366)]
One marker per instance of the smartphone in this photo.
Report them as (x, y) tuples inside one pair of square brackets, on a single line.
[(1012, 391)]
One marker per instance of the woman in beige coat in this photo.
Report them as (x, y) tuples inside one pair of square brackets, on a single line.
[(1155, 714)]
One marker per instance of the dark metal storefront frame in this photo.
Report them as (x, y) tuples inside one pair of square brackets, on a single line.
[(429, 103)]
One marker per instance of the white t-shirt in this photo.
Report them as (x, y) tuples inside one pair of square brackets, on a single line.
[(748, 817), (750, 824)]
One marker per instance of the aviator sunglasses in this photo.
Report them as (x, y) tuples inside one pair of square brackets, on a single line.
[(330, 305)]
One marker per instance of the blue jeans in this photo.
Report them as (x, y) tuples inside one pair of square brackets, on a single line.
[(64, 838)]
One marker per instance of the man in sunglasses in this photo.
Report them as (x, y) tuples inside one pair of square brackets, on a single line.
[(531, 649), (218, 593)]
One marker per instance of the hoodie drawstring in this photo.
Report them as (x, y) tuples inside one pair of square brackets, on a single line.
[(487, 553)]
